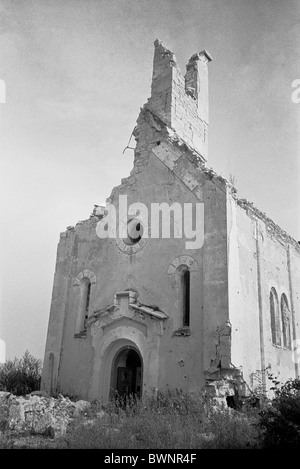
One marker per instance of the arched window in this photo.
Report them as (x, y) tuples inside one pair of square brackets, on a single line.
[(185, 292), (286, 322), (84, 302), (275, 318), (181, 270), (82, 285), (87, 301)]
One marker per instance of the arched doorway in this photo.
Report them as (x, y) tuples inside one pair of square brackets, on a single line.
[(126, 373)]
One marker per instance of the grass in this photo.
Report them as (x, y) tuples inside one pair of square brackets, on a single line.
[(171, 422)]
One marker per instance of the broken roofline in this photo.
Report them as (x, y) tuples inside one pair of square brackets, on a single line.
[(193, 79), (170, 135), (212, 175)]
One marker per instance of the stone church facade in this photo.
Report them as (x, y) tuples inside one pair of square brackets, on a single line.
[(145, 314)]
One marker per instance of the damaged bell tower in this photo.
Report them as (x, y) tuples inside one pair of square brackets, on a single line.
[(181, 102)]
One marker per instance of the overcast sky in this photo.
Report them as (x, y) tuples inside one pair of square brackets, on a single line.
[(77, 73)]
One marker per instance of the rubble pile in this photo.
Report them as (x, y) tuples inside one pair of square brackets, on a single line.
[(38, 414)]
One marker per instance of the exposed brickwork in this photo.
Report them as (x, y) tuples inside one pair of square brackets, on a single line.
[(181, 102)]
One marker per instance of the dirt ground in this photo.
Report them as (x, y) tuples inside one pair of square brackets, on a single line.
[(11, 441)]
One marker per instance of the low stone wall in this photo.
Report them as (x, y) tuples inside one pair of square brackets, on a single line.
[(38, 414)]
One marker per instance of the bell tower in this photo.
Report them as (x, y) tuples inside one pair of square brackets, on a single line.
[(181, 102)]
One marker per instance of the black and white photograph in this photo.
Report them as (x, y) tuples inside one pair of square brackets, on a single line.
[(150, 227)]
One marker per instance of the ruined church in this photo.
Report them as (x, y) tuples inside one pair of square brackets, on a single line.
[(143, 314)]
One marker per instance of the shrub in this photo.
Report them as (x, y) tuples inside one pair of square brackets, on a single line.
[(21, 375), (234, 429), (280, 421)]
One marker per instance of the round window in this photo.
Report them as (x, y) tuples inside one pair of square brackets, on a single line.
[(134, 232)]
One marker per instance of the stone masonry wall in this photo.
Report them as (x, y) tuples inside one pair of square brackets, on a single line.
[(181, 102)]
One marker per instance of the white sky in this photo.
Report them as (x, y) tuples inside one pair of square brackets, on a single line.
[(77, 73)]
